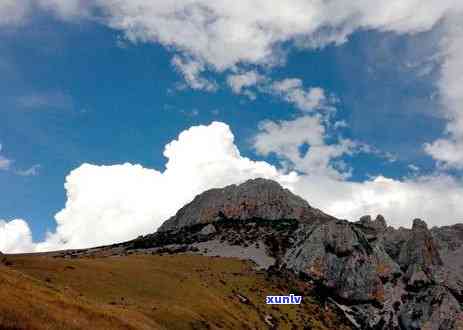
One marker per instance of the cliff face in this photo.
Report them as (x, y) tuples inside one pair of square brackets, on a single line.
[(381, 277)]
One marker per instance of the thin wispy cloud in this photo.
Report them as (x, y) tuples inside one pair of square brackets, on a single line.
[(31, 171), (5, 163), (45, 100)]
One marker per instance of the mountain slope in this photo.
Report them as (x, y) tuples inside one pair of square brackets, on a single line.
[(151, 292)]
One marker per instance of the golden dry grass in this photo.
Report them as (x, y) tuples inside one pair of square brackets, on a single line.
[(148, 292)]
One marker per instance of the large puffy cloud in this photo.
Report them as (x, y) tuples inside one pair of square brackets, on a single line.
[(15, 236), (107, 204)]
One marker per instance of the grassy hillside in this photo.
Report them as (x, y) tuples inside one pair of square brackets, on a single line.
[(150, 292)]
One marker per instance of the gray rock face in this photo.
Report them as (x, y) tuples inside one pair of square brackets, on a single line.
[(434, 308), (418, 256), (448, 238), (449, 242), (339, 256), (258, 198), (390, 278)]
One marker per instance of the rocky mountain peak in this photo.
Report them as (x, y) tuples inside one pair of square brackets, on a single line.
[(419, 224), (380, 221), (374, 226), (420, 249), (254, 199)]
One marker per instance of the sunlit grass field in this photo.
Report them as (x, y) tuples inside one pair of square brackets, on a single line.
[(152, 292)]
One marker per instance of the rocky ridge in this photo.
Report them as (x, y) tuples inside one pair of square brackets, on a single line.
[(381, 277), (255, 199)]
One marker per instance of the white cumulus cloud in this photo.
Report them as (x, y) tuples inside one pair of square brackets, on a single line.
[(15, 236), (108, 204)]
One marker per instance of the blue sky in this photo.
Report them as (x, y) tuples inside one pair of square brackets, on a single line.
[(76, 91)]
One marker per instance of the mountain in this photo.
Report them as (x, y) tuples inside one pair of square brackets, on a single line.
[(363, 274), (379, 276)]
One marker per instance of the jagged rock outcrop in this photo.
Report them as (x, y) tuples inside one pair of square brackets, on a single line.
[(430, 293), (382, 277), (253, 199), (418, 256), (433, 308), (420, 248), (339, 257), (448, 238), (372, 228)]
